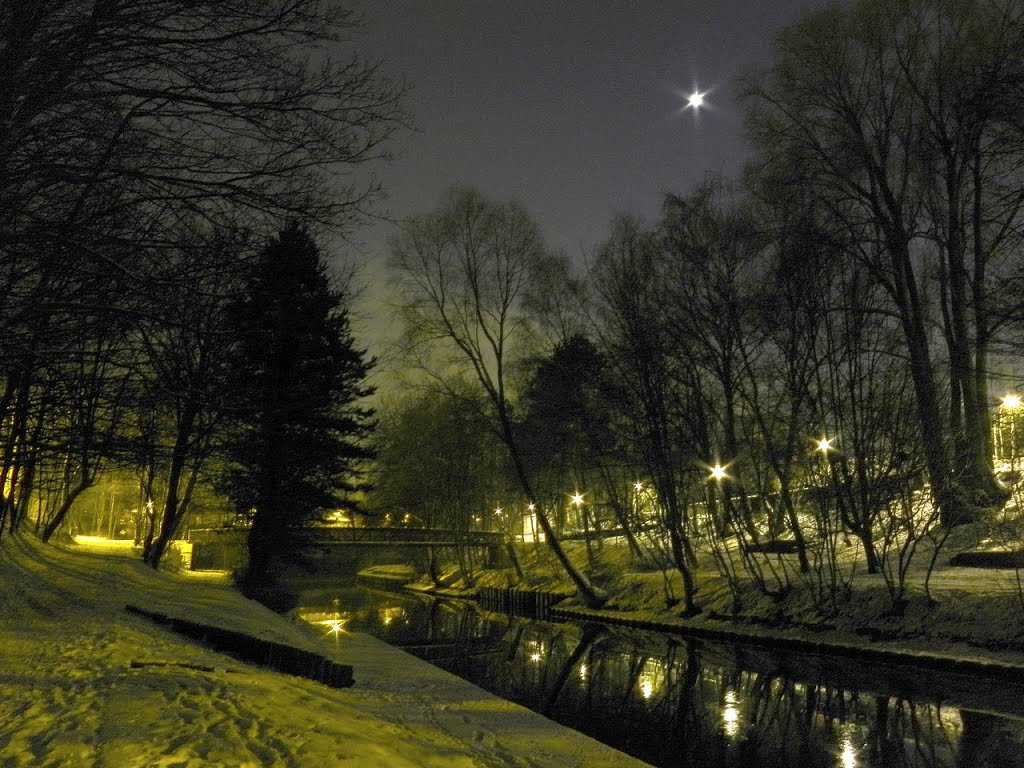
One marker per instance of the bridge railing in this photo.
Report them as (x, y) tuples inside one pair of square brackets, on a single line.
[(347, 535), (386, 535)]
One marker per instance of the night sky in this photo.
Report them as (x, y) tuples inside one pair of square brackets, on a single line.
[(572, 108)]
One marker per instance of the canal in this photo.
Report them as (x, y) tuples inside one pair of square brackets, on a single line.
[(675, 701)]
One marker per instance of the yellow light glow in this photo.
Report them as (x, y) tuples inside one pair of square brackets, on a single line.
[(848, 758), (583, 672), (1011, 401), (638, 486), (651, 678), (535, 649), (731, 714), (390, 614), (718, 472), (531, 506), (497, 511), (848, 755), (577, 498), (825, 444), (334, 626)]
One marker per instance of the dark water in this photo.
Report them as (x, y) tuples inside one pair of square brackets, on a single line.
[(673, 701)]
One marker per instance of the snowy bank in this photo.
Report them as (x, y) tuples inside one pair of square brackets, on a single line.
[(85, 683)]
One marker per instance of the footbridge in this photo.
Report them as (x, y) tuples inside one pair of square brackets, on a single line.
[(330, 551)]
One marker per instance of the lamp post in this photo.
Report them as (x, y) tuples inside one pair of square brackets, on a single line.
[(826, 446), (577, 501), (718, 473), (531, 508), (638, 489), (1009, 409)]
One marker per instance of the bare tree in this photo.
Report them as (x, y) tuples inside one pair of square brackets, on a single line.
[(124, 125), (449, 440), (897, 113), (186, 345), (749, 330), (667, 420), (463, 271)]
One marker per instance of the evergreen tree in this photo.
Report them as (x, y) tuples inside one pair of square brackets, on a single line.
[(298, 382)]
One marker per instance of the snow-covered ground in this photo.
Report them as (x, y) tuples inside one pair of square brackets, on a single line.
[(84, 683)]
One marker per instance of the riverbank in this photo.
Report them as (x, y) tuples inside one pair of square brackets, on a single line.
[(86, 683), (968, 622)]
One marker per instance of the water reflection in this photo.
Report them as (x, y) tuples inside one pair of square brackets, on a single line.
[(678, 702)]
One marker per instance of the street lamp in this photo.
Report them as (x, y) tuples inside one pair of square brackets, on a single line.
[(532, 509), (718, 473), (1010, 408), (576, 500)]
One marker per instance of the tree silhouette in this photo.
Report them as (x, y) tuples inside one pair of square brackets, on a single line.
[(298, 380)]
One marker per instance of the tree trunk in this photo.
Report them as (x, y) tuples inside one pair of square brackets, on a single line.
[(972, 468), (592, 596), (172, 512), (794, 523), (905, 293), (57, 520)]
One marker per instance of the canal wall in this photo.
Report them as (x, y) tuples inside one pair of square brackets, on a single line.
[(972, 662), (550, 606), (519, 602)]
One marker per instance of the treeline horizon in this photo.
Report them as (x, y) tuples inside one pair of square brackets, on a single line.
[(812, 352)]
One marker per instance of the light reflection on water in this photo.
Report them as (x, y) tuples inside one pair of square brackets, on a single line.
[(678, 702)]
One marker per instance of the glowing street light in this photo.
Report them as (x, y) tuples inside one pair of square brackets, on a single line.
[(1010, 412), (638, 486), (718, 473), (577, 498), (695, 100), (825, 444)]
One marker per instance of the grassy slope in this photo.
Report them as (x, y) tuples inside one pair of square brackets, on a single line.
[(976, 610)]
